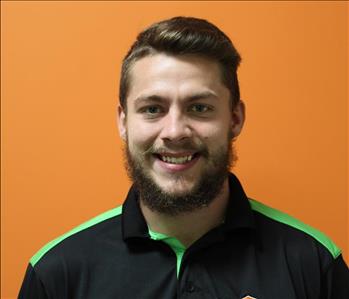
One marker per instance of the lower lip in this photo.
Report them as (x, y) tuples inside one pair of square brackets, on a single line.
[(177, 167)]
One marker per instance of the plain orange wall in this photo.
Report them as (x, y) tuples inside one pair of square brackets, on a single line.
[(61, 154)]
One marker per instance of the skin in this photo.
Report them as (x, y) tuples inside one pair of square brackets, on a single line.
[(174, 101)]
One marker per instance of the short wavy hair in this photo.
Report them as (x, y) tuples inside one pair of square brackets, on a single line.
[(180, 36)]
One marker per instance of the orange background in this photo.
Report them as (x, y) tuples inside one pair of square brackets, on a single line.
[(61, 154)]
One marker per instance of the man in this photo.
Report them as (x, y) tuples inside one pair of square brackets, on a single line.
[(186, 229)]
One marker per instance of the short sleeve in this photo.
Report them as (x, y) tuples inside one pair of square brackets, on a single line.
[(32, 287), (336, 280)]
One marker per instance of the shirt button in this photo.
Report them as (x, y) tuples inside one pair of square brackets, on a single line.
[(190, 288)]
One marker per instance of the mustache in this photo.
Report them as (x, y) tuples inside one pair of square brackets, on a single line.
[(189, 146)]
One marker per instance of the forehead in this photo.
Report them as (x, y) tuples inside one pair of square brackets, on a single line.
[(174, 75)]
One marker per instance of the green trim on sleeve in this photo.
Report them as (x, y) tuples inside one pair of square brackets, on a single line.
[(288, 220), (106, 215), (175, 244)]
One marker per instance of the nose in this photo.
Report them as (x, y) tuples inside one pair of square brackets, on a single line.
[(175, 126)]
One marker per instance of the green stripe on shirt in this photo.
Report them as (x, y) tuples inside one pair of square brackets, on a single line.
[(175, 244), (106, 215), (288, 220)]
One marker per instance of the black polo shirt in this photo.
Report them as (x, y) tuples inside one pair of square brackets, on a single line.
[(258, 252)]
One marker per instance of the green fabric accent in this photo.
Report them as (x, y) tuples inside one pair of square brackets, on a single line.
[(288, 220), (106, 215), (175, 244)]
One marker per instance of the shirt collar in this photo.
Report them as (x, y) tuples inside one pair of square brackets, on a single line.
[(239, 213), (133, 222)]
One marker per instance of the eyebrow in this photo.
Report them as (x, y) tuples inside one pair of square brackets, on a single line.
[(194, 97)]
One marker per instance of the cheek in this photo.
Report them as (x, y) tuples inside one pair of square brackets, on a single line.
[(140, 135), (216, 132)]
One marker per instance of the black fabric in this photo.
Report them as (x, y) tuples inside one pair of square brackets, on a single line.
[(32, 286), (249, 255)]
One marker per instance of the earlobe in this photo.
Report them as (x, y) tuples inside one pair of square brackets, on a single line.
[(238, 118), (122, 123)]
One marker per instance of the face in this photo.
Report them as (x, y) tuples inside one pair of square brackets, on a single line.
[(178, 129)]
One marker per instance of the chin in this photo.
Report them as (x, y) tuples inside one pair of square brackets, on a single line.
[(175, 187)]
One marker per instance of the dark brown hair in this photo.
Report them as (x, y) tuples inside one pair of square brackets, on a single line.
[(180, 36)]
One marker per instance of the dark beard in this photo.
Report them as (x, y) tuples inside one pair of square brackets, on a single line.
[(206, 190)]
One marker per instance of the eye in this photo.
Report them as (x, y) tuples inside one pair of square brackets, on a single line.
[(151, 111), (200, 108)]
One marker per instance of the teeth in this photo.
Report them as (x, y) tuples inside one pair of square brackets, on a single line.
[(177, 160)]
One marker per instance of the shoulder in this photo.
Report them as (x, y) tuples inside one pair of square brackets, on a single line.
[(80, 239), (279, 227)]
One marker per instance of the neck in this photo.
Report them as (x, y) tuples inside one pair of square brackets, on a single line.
[(189, 227)]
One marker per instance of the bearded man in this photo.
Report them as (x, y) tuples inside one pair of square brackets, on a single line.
[(186, 228)]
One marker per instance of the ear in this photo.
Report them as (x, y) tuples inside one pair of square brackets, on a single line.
[(122, 123), (238, 118)]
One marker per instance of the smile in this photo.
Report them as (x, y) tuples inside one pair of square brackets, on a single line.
[(176, 160)]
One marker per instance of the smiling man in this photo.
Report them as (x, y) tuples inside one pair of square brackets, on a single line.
[(178, 126), (186, 228)]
